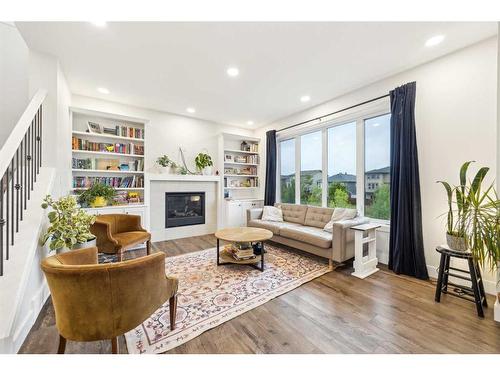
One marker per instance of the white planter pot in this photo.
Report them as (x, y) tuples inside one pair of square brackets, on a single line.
[(207, 171), (165, 170)]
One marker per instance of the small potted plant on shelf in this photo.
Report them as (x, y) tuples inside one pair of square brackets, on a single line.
[(69, 225), (166, 164), (98, 195), (204, 163)]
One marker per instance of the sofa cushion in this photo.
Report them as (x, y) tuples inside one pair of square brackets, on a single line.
[(293, 213), (340, 214), (311, 235), (271, 213), (318, 216), (273, 226)]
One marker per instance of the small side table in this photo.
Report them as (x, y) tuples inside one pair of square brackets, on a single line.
[(365, 265), (474, 293)]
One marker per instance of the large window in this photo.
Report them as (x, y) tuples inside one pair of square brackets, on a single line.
[(311, 174), (377, 167), (287, 171), (342, 166)]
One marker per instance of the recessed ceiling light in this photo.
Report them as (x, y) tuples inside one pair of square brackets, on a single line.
[(305, 98), (190, 110), (103, 90), (249, 122), (434, 41), (99, 23), (233, 72)]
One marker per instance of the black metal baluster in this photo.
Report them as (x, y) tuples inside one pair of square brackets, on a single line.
[(32, 166), (12, 211), (7, 222), (35, 148), (25, 172), (2, 223), (40, 133), (38, 141)]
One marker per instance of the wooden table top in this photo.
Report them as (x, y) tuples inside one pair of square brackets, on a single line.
[(244, 234)]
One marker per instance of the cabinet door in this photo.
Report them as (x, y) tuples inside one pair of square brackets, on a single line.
[(233, 217), (135, 211)]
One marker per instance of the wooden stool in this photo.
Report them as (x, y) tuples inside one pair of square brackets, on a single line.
[(476, 290)]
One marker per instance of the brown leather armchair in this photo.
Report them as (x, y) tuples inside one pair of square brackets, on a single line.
[(99, 301), (118, 232)]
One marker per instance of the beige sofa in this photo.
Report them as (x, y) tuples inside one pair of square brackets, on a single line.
[(302, 228)]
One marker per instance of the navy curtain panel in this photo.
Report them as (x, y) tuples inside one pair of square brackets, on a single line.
[(270, 188), (406, 246)]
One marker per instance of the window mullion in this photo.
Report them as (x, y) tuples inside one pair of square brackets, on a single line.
[(360, 166), (297, 170), (324, 167)]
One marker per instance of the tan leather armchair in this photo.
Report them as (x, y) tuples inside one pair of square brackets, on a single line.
[(118, 232), (103, 301)]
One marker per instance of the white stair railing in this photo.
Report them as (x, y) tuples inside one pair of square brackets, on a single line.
[(20, 162)]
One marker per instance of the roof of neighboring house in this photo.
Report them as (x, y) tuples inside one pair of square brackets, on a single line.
[(385, 170), (342, 177)]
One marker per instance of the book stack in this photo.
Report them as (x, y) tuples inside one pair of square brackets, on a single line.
[(116, 182), (240, 251)]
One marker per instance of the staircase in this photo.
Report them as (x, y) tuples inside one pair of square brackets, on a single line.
[(23, 183)]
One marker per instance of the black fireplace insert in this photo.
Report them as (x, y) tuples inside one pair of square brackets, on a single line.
[(183, 209)]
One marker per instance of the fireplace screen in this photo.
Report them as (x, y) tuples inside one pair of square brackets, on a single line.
[(184, 209)]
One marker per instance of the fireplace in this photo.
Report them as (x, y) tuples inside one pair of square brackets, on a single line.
[(183, 209)]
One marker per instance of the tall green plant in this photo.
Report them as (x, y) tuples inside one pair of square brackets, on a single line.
[(475, 215)]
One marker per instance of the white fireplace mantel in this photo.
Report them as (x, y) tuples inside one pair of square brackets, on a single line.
[(180, 177)]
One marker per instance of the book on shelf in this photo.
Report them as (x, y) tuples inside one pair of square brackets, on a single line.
[(83, 182), (80, 144), (118, 130)]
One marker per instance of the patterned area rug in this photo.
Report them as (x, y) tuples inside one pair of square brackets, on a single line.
[(211, 295)]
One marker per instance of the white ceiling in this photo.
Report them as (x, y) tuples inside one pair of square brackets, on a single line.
[(172, 66)]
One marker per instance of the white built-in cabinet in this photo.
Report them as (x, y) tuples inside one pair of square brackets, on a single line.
[(130, 210), (236, 211)]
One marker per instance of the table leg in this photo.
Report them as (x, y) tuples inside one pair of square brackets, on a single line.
[(218, 262), (439, 285), (475, 288), (262, 257)]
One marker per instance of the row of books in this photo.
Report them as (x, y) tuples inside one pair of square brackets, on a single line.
[(237, 182), (125, 131), (108, 164), (122, 148), (116, 182), (125, 198), (250, 147), (250, 159), (241, 171), (240, 251)]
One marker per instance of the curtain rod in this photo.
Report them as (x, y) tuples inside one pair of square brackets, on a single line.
[(334, 113)]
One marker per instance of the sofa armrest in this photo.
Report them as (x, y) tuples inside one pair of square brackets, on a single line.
[(254, 213), (342, 241)]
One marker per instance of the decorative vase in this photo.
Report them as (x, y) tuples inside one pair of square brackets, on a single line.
[(456, 242), (207, 171), (84, 245), (99, 202)]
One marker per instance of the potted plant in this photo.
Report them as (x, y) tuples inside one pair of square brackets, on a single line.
[(472, 212), (69, 225), (166, 164), (98, 195), (204, 163)]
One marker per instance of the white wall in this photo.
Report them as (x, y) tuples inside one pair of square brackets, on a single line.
[(14, 99), (456, 121), (166, 132), (46, 73)]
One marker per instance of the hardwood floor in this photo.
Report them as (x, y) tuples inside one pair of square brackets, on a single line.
[(335, 313)]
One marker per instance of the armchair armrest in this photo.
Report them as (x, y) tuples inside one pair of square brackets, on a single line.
[(254, 213), (104, 236), (79, 257), (342, 240)]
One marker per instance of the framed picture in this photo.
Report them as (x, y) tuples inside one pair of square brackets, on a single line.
[(228, 158), (94, 127)]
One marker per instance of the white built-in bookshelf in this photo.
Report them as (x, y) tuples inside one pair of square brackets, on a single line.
[(109, 149), (240, 158)]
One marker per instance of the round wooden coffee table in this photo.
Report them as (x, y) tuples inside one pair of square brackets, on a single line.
[(242, 234)]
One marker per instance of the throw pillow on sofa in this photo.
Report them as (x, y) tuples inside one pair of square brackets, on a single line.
[(339, 214), (270, 213)]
